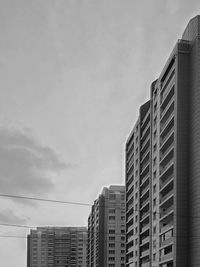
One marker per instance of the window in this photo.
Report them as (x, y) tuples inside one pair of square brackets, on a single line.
[(112, 196), (112, 211), (154, 229), (154, 202), (155, 107), (111, 218), (154, 216), (154, 257), (155, 121), (155, 147), (154, 188), (155, 93), (154, 134)]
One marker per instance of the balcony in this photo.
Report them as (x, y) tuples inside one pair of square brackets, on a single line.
[(145, 144), (144, 216), (167, 132), (145, 156), (145, 132), (146, 119), (144, 179), (164, 125), (166, 167), (129, 217), (166, 145), (130, 228), (166, 213), (167, 83), (166, 182), (167, 242), (167, 196), (144, 167), (167, 257), (145, 228), (167, 97), (145, 253), (130, 239), (146, 264), (166, 153), (167, 107), (167, 113), (130, 186), (144, 203), (166, 227), (145, 240), (144, 191)]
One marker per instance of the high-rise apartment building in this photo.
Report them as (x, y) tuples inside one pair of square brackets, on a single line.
[(57, 247), (163, 165), (106, 229)]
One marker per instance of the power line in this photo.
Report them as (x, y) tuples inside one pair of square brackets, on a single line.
[(93, 232), (45, 200), (89, 205)]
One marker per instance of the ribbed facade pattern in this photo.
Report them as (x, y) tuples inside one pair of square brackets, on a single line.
[(57, 247), (163, 165), (106, 229)]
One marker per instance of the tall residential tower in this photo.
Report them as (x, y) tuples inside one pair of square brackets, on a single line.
[(57, 247), (106, 229), (163, 165)]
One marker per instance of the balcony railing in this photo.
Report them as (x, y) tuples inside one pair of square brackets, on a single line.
[(167, 242), (163, 155), (144, 228), (165, 213), (163, 125), (143, 204), (145, 240), (171, 192), (166, 227), (166, 257), (163, 169), (166, 135), (166, 181), (145, 253)]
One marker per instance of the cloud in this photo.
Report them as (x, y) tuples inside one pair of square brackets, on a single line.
[(26, 166), (8, 216)]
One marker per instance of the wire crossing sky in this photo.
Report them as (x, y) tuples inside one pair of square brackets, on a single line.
[(73, 75)]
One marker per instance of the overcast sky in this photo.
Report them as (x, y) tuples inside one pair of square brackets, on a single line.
[(73, 74)]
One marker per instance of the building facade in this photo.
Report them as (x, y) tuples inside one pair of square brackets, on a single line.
[(106, 229), (163, 165), (57, 247)]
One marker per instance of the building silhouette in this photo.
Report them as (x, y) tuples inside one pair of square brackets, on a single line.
[(163, 165), (57, 247), (106, 229)]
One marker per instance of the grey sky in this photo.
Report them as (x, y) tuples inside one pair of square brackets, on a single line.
[(73, 74)]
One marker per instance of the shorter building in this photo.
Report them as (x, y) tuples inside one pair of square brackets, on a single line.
[(57, 247), (106, 229)]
